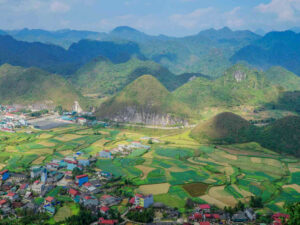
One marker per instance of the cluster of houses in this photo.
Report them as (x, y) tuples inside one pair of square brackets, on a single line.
[(204, 215), (122, 150), (10, 121)]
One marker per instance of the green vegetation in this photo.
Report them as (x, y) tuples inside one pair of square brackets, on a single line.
[(283, 78), (27, 86), (238, 86), (283, 135), (145, 97), (103, 77), (225, 128)]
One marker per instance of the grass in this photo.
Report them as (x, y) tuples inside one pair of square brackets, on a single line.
[(66, 211)]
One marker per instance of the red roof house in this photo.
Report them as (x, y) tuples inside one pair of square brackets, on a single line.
[(205, 223), (73, 192), (104, 209), (204, 206), (108, 222), (49, 199)]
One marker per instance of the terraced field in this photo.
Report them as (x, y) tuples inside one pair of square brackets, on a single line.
[(173, 170)]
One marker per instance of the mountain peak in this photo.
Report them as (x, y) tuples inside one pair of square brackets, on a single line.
[(124, 29)]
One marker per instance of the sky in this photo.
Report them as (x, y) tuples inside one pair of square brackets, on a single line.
[(169, 17)]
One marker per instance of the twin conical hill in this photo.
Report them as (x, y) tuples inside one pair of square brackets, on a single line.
[(224, 128), (145, 101)]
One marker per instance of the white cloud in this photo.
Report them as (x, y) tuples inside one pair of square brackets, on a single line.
[(207, 18), (191, 20), (285, 10), (59, 7)]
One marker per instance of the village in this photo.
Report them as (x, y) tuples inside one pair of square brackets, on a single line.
[(74, 178)]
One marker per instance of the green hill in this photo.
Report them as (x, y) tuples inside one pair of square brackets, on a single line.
[(284, 78), (238, 86), (145, 101), (283, 135), (224, 128), (103, 77), (32, 85)]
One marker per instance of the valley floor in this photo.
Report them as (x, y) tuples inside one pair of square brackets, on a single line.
[(175, 167)]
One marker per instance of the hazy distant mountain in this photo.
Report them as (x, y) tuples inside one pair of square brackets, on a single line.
[(56, 59), (295, 29), (208, 52), (274, 49), (64, 38)]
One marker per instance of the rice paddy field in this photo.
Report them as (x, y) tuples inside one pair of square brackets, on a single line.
[(173, 170)]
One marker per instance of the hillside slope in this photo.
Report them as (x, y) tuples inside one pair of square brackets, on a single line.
[(224, 128), (283, 78), (103, 77), (145, 101), (283, 135), (238, 86), (27, 86)]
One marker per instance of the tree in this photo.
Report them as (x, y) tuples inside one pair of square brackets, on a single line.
[(189, 204), (294, 211), (76, 171), (256, 202)]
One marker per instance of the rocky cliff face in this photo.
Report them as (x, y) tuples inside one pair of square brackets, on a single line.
[(133, 115)]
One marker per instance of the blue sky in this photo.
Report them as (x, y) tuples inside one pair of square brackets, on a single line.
[(170, 17)]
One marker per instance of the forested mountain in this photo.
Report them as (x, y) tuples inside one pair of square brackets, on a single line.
[(274, 49), (239, 85), (103, 77)]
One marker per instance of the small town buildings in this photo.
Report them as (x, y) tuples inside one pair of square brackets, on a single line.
[(103, 221), (279, 218), (89, 201), (49, 209), (49, 200), (81, 179), (17, 177), (205, 208), (104, 210), (4, 175), (73, 193), (109, 200), (53, 166), (81, 120), (83, 162), (3, 203), (44, 175), (143, 201), (239, 217), (12, 196), (37, 187), (105, 154), (36, 171)]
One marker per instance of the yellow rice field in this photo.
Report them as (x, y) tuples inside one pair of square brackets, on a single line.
[(154, 189)]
